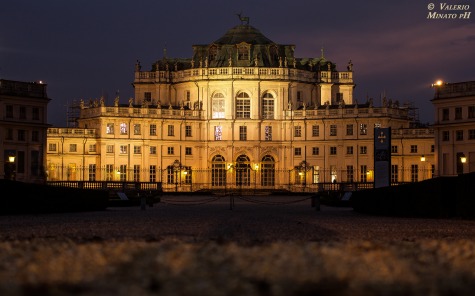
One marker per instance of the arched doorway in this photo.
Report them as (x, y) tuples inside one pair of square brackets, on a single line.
[(218, 171), (268, 171), (243, 171)]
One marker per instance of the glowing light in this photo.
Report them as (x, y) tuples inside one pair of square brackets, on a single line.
[(423, 158)]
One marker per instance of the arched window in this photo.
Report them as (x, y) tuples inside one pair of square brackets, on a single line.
[(268, 171), (218, 171), (243, 105), (268, 106), (243, 171), (218, 105)]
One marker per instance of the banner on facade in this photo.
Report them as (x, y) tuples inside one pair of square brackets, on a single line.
[(382, 157)]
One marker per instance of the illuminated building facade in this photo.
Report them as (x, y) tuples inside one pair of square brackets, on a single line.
[(23, 128), (455, 127), (242, 112)]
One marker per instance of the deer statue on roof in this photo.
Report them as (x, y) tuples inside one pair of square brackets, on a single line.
[(243, 19)]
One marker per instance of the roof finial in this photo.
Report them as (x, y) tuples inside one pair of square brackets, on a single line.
[(243, 18), (322, 50)]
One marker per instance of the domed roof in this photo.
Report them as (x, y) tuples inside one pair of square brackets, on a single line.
[(243, 33)]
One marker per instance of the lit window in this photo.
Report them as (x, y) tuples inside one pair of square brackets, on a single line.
[(218, 105), (110, 128), (218, 133), (268, 133), (123, 149), (123, 128)]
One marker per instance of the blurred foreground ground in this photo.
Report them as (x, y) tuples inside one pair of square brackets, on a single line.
[(268, 245)]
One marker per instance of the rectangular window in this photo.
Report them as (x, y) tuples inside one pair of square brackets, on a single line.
[(458, 113), (414, 173), (349, 130), (188, 131), (315, 131), (152, 173), (445, 114), (299, 96), (137, 149), (471, 111), (147, 96), (171, 130), (123, 149), (297, 151), (243, 133), (21, 135), (394, 173), (109, 172), (136, 173), (123, 128), (350, 173), (92, 148), (413, 148), (315, 151), (432, 148), (349, 150), (22, 112), (35, 113), (394, 149), (218, 133), (9, 135), (110, 149), (110, 128), (9, 111), (137, 129), (332, 150), (459, 135), (363, 150), (52, 147), (170, 150), (153, 129), (153, 150), (268, 133), (188, 151), (73, 148), (92, 172), (332, 129), (471, 134), (35, 136), (363, 173), (297, 131), (123, 172), (363, 129), (445, 136)]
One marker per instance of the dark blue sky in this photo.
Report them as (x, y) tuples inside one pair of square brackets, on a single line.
[(85, 49)]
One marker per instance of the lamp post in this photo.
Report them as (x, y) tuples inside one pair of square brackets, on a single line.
[(256, 168), (176, 169), (11, 167), (423, 160)]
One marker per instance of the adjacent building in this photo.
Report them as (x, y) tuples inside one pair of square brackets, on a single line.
[(241, 112), (23, 129), (455, 127)]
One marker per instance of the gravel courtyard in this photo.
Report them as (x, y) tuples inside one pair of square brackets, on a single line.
[(192, 245)]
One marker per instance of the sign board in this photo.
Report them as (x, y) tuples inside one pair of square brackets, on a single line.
[(382, 157)]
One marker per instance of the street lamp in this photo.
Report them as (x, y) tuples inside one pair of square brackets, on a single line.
[(176, 169), (423, 159), (256, 168), (11, 167)]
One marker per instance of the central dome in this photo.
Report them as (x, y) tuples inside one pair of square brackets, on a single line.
[(243, 33)]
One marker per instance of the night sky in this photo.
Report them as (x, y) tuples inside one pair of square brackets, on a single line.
[(85, 49)]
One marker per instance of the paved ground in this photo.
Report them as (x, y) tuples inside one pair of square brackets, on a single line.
[(193, 245)]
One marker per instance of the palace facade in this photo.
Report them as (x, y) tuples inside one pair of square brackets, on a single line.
[(243, 112)]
